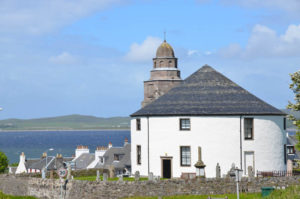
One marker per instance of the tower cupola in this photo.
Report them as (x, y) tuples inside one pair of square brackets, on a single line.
[(165, 50), (164, 75)]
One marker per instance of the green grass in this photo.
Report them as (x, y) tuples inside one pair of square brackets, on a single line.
[(292, 192), (4, 196)]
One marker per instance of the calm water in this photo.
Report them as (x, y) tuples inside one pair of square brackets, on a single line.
[(33, 144)]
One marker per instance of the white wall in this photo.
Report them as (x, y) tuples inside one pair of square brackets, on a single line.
[(219, 138)]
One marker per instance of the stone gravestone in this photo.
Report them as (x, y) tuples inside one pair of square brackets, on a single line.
[(231, 172), (98, 176), (111, 171), (121, 178), (150, 176), (137, 176), (105, 177), (250, 172), (69, 172), (218, 171), (51, 174)]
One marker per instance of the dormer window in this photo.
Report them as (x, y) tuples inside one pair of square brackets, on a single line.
[(290, 149), (185, 124), (116, 157), (102, 160)]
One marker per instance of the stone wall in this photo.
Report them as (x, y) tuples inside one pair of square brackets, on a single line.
[(50, 188)]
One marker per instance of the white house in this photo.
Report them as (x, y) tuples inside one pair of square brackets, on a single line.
[(210, 111)]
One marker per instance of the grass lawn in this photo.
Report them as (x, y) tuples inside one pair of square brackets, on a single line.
[(4, 196), (289, 193)]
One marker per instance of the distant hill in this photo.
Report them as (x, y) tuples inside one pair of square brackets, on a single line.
[(69, 122), (296, 114)]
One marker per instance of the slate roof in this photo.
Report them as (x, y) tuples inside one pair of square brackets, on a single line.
[(124, 161), (207, 92), (83, 161), (53, 163)]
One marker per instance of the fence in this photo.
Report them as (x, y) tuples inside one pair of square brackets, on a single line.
[(277, 173)]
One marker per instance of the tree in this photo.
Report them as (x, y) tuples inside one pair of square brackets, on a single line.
[(3, 162), (295, 86)]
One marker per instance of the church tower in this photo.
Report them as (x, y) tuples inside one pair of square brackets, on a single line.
[(164, 76)]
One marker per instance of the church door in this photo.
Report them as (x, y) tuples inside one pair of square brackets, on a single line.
[(166, 167)]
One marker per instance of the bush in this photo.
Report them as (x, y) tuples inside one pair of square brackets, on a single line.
[(3, 162)]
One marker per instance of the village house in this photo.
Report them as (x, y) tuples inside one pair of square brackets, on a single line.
[(116, 158), (207, 110), (36, 165)]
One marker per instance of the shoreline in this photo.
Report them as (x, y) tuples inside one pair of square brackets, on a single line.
[(52, 130)]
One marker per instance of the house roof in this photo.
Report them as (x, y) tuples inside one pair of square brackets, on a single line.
[(207, 92), (292, 140), (124, 161), (83, 161), (52, 162)]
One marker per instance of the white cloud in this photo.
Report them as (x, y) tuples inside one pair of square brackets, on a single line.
[(144, 51), (37, 17), (264, 42), (64, 58), (192, 52)]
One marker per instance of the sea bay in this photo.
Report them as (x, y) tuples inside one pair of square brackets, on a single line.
[(34, 143)]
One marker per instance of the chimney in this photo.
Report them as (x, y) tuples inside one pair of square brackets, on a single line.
[(44, 155), (100, 151), (109, 145), (59, 155), (125, 141), (80, 150), (22, 157)]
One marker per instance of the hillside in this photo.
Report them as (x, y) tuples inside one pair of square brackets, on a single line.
[(69, 122), (296, 114)]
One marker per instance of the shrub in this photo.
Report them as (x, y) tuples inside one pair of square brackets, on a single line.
[(3, 162)]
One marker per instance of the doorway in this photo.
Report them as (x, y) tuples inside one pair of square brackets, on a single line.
[(249, 161), (166, 167)]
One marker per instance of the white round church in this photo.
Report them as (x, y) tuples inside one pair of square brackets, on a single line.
[(205, 110)]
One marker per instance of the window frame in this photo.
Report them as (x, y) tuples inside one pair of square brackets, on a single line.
[(181, 122), (138, 124), (138, 154), (252, 129), (181, 156), (288, 148)]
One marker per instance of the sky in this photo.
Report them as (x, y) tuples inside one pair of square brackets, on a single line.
[(91, 57)]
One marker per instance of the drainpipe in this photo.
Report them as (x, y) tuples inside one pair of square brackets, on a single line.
[(148, 144), (241, 146)]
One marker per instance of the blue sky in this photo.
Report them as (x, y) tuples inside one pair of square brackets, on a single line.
[(91, 57)]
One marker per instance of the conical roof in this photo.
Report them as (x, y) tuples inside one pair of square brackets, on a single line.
[(207, 92), (165, 50)]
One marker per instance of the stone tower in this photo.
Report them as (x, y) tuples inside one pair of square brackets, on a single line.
[(164, 76)]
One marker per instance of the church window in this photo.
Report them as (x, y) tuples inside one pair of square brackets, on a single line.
[(248, 128), (185, 156), (185, 124), (138, 124), (161, 63), (138, 154)]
